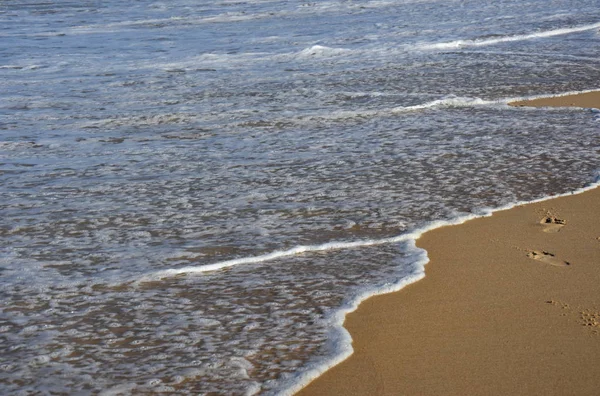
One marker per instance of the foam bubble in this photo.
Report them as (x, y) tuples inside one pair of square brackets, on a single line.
[(320, 51)]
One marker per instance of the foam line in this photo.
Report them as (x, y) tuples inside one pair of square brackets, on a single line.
[(483, 42), (457, 101), (339, 245), (336, 245), (340, 338), (449, 101), (280, 254)]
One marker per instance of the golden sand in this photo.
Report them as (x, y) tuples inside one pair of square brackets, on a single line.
[(510, 305), (587, 100)]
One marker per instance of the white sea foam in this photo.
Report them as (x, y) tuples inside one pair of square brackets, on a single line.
[(319, 116), (504, 39), (320, 51), (449, 101), (274, 255), (339, 245)]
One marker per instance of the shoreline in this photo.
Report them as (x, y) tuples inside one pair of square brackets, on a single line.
[(587, 99), (400, 347)]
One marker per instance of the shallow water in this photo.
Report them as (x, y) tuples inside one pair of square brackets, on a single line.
[(294, 147)]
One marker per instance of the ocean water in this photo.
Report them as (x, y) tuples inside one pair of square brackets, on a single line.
[(194, 193)]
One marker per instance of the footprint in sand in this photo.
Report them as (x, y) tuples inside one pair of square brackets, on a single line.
[(552, 224), (548, 258)]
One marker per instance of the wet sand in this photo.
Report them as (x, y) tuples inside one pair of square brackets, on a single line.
[(587, 100), (510, 305)]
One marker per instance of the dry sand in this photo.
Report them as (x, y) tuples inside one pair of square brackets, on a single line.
[(510, 305)]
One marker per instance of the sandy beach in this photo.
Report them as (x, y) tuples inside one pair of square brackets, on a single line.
[(510, 305)]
